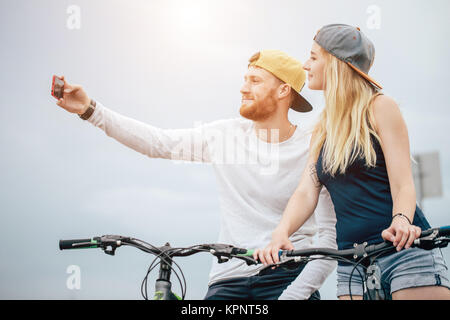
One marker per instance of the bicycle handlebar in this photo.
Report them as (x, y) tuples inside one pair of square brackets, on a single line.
[(431, 238), (363, 250), (224, 252), (440, 232)]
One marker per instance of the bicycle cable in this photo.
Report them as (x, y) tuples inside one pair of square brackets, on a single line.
[(182, 284), (144, 246), (381, 282), (365, 271), (342, 259)]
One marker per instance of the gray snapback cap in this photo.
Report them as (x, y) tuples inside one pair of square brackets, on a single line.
[(349, 44)]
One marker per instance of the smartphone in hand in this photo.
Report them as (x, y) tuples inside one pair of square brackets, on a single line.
[(57, 87)]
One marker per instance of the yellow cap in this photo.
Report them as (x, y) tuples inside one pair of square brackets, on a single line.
[(288, 70)]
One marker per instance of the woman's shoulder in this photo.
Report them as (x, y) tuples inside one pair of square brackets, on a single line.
[(383, 102), (385, 110)]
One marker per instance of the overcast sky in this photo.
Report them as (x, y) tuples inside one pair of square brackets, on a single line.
[(171, 64)]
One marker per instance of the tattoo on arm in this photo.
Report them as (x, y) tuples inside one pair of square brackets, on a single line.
[(313, 175)]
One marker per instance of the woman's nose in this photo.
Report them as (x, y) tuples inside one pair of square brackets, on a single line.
[(306, 66)]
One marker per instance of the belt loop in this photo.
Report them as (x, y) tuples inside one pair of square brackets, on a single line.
[(438, 279)]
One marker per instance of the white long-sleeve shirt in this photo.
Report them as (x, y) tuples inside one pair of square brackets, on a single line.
[(255, 180)]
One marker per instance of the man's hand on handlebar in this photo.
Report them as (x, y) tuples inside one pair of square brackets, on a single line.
[(75, 99)]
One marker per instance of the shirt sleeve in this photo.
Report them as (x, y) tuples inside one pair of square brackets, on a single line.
[(176, 144), (315, 272)]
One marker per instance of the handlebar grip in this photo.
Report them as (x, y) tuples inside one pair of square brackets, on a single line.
[(77, 243), (444, 231), (249, 253)]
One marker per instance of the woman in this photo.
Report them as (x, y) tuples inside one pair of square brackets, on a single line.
[(360, 152)]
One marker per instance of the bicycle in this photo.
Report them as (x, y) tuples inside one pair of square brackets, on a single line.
[(362, 255)]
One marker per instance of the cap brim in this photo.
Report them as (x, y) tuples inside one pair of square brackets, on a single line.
[(365, 75), (300, 104)]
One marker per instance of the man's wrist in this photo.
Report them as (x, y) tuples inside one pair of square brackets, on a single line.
[(89, 111)]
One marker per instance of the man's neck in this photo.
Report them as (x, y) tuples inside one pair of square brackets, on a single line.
[(275, 129)]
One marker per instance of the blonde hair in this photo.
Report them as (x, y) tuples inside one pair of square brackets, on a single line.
[(346, 124)]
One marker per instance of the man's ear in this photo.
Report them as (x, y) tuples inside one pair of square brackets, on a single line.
[(284, 91)]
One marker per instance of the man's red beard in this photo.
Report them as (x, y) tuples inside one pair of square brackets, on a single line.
[(259, 110)]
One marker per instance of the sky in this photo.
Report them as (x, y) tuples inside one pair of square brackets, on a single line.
[(172, 64)]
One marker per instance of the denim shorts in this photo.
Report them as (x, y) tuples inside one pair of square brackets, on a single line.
[(408, 268), (266, 285)]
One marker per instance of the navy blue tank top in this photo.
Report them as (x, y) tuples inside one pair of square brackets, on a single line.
[(362, 200)]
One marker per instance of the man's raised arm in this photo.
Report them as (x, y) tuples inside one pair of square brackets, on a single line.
[(176, 144)]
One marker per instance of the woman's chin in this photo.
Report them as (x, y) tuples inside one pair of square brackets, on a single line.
[(313, 86)]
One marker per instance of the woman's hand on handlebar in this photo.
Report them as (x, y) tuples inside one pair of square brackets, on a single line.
[(270, 254), (401, 233)]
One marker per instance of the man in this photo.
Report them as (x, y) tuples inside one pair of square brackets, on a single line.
[(258, 161)]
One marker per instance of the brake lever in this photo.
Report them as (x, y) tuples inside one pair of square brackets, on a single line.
[(249, 260), (431, 236), (109, 243), (287, 263), (223, 252), (428, 241)]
